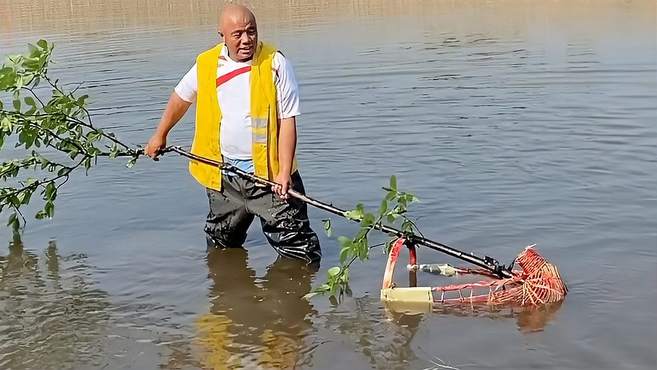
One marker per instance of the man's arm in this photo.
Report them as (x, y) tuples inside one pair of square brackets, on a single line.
[(287, 96), (287, 144), (174, 111)]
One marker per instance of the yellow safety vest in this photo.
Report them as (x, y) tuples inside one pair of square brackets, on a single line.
[(264, 117)]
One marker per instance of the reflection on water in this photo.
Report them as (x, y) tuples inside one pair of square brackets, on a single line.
[(255, 321), (383, 337), (514, 121), (262, 321), (51, 315), (528, 319)]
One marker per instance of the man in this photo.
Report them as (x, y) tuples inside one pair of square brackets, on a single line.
[(246, 106)]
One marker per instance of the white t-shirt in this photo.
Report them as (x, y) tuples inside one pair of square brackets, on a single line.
[(233, 91)]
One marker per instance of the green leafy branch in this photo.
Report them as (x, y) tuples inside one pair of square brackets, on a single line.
[(391, 212), (53, 126)]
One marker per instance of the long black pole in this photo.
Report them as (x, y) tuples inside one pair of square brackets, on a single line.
[(487, 263)]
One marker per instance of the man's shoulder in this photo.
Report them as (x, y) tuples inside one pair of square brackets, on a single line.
[(215, 50), (279, 57)]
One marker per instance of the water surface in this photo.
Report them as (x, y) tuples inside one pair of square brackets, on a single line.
[(515, 122)]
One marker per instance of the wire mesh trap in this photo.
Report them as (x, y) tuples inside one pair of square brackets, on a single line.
[(535, 282)]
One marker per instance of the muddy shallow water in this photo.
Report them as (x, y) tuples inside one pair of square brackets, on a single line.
[(515, 122)]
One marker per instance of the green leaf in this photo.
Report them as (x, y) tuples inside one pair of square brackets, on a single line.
[(17, 104), (73, 153), (407, 227), (388, 245), (50, 192), (81, 102), (15, 223), (20, 82), (383, 208), (49, 209), (43, 44), (131, 162), (25, 196), (345, 252), (6, 124), (12, 218), (327, 227), (404, 199), (93, 136), (344, 241), (30, 101), (344, 278), (368, 220), (393, 182), (333, 271), (362, 233), (30, 137), (363, 249), (408, 198), (114, 151), (352, 215), (356, 214), (44, 162)]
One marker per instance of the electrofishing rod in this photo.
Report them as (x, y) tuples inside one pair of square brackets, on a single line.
[(488, 263)]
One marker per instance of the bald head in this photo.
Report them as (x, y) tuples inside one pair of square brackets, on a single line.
[(237, 25), (233, 13)]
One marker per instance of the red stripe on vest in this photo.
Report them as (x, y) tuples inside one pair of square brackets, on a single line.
[(230, 75)]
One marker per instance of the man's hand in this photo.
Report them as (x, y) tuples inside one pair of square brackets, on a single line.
[(155, 144), (284, 182)]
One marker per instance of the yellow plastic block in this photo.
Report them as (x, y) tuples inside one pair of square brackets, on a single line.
[(408, 299)]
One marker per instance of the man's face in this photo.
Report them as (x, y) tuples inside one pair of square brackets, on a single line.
[(241, 37)]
